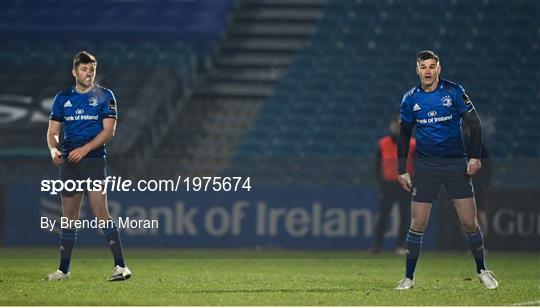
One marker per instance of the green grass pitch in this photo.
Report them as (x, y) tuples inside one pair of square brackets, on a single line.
[(246, 277)]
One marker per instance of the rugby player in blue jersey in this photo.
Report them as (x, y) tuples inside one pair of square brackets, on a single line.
[(88, 113), (436, 107)]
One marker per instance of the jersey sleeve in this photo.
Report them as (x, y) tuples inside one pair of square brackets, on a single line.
[(462, 101), (110, 108), (405, 110), (57, 112)]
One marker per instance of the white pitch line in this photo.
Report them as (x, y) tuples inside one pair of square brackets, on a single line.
[(529, 303)]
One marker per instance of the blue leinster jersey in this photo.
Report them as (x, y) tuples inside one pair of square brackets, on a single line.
[(437, 117), (82, 115)]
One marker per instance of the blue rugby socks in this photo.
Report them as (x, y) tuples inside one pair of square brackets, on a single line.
[(67, 241), (413, 244), (476, 243), (113, 240)]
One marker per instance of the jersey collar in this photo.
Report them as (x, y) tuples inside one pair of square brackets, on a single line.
[(74, 90), (440, 86)]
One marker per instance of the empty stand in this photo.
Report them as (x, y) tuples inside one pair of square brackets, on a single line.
[(333, 103), (255, 49)]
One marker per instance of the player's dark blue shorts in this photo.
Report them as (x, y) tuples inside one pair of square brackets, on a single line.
[(427, 182), (88, 168)]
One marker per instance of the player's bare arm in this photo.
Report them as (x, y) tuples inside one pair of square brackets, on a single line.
[(109, 129), (404, 139), (472, 119), (52, 141)]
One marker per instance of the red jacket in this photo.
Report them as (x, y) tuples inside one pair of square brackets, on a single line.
[(389, 158)]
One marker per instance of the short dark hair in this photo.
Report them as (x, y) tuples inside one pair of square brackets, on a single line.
[(426, 55), (83, 57)]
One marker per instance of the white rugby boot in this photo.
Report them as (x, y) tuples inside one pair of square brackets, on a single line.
[(120, 273), (405, 284), (57, 275), (487, 279)]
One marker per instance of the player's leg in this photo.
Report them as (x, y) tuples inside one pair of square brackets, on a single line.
[(95, 169), (385, 206), (483, 222), (98, 204), (480, 192), (460, 190), (426, 184), (466, 210), (71, 209), (413, 242)]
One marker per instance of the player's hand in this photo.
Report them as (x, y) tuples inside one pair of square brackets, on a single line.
[(473, 166), (405, 181), (56, 157), (76, 155)]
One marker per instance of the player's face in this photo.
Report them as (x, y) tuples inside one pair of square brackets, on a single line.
[(85, 74), (428, 71)]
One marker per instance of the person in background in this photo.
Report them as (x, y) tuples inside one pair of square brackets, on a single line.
[(390, 190)]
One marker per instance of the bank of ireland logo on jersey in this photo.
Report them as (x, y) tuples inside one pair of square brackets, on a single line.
[(93, 101), (446, 101)]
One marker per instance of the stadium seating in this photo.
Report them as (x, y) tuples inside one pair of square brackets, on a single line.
[(322, 122), (324, 119), (196, 22)]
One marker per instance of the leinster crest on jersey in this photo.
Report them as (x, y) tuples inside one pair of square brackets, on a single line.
[(446, 101), (93, 101)]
